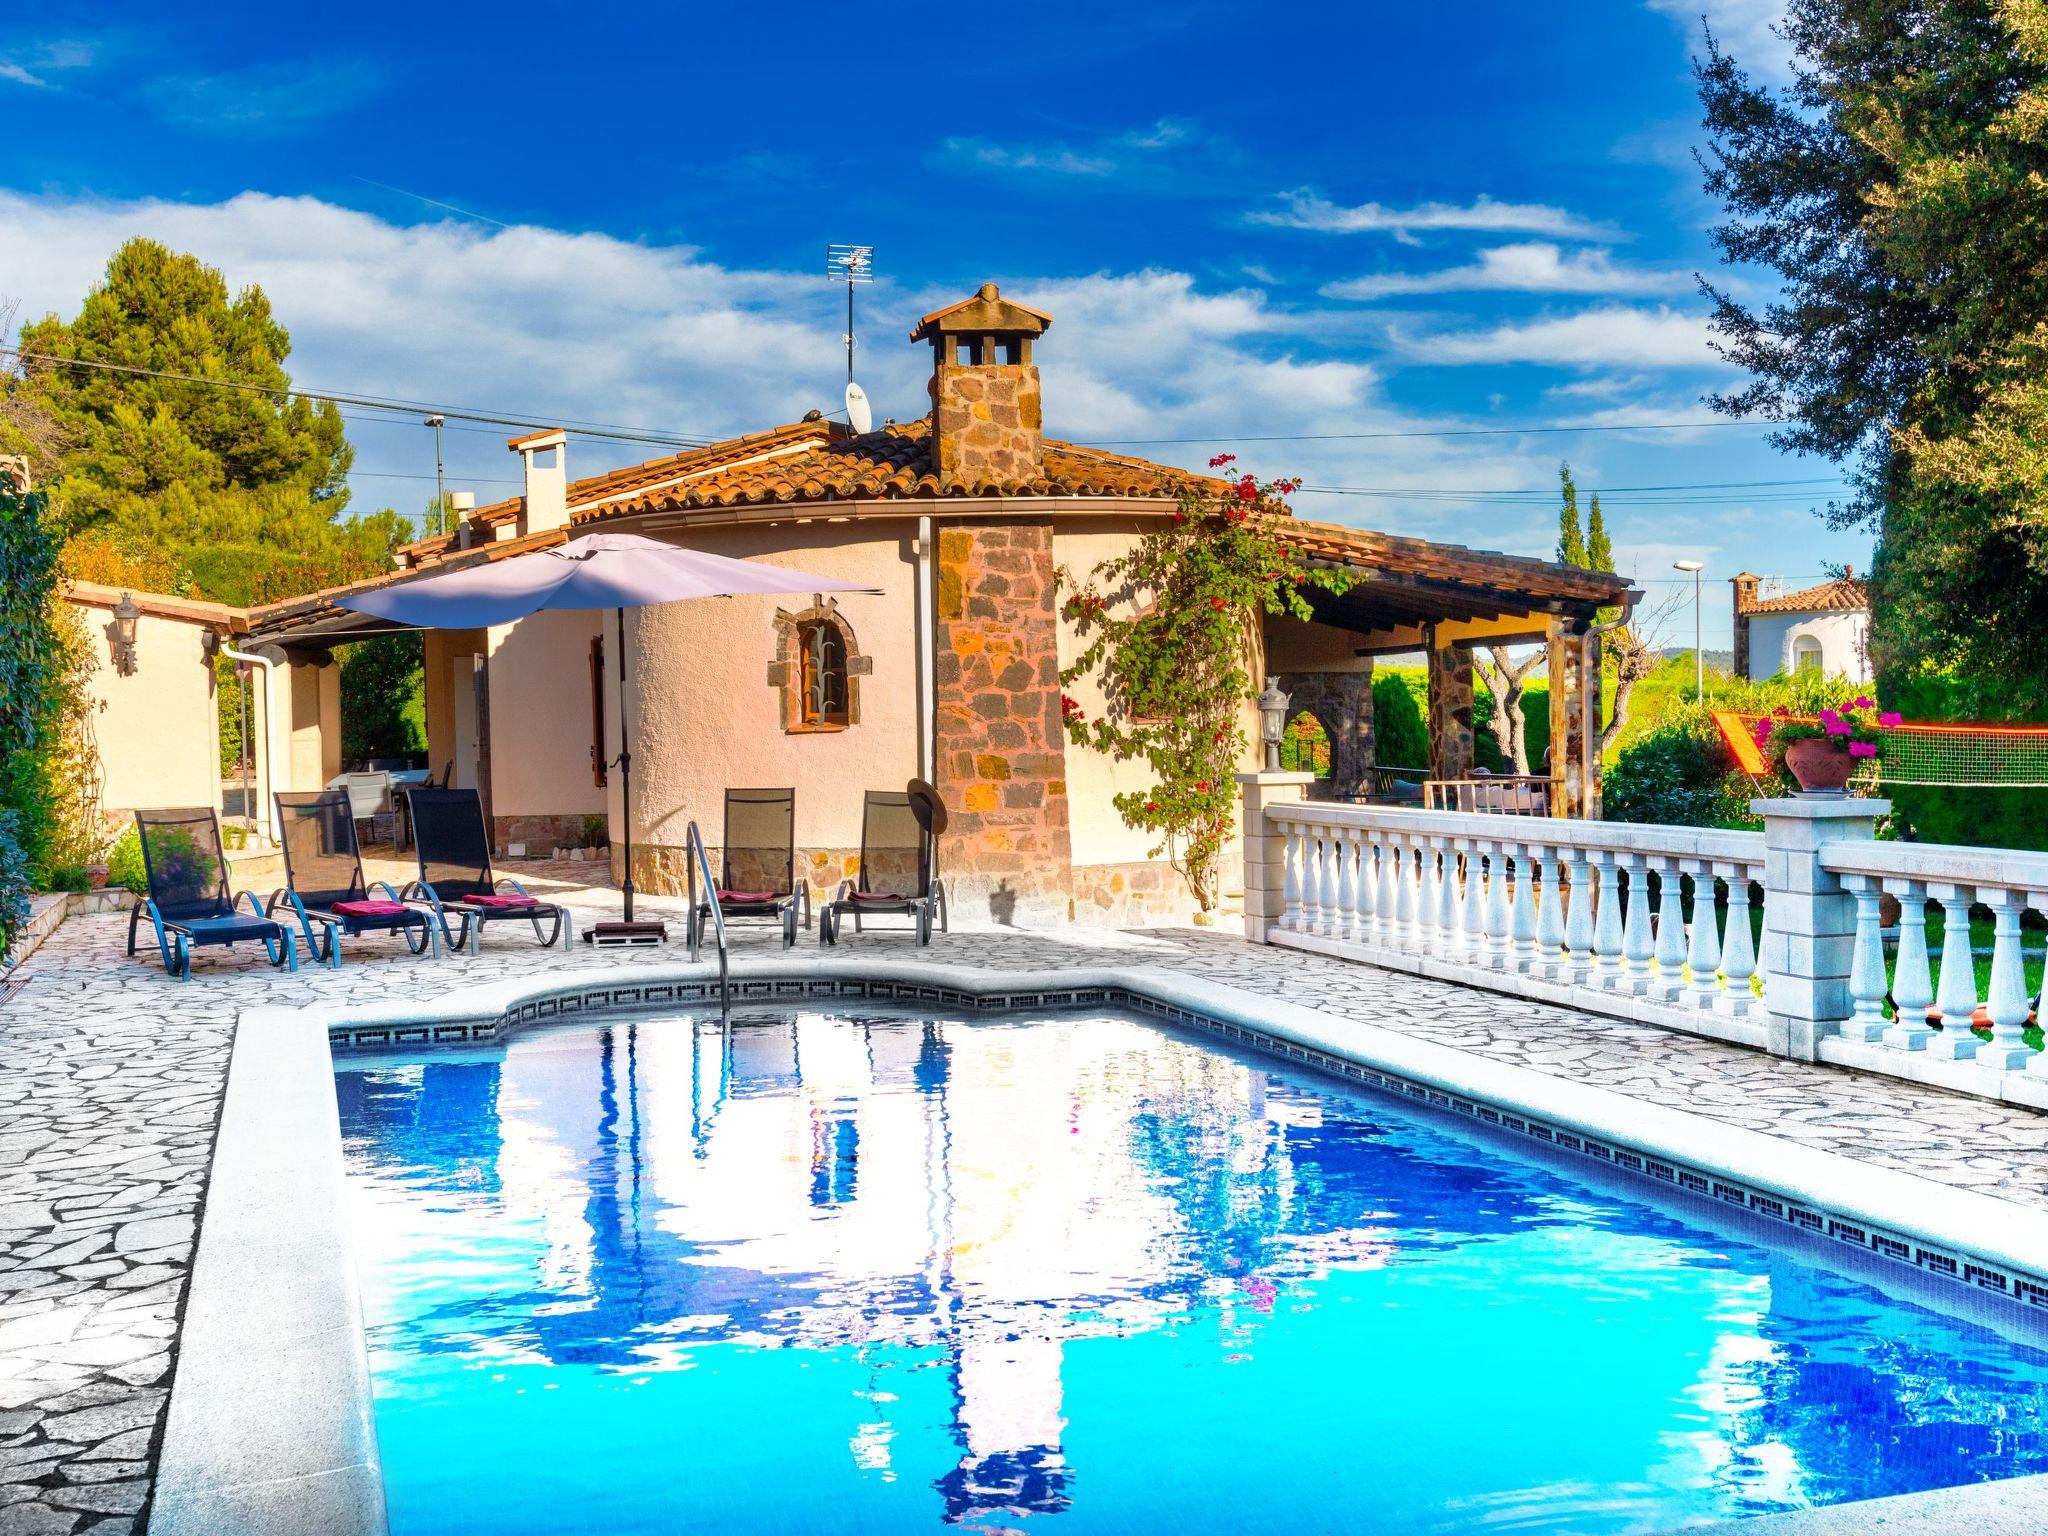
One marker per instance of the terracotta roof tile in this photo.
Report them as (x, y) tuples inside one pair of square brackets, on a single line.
[(1843, 595), (1450, 562)]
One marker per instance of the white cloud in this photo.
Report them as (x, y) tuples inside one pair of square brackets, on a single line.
[(1103, 155), (19, 75), (1306, 209), (553, 326), (1607, 336), (266, 98), (34, 64), (1531, 267), (1744, 29)]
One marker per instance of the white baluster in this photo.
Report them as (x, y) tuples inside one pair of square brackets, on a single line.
[(1703, 950), (1290, 890), (1550, 918), (1472, 910), (1866, 963), (1527, 948), (1407, 930), (1955, 994), (1499, 936), (1443, 907), (1578, 928), (1638, 948), (1393, 917), (1738, 948), (1348, 881), (1332, 914), (1670, 928), (1912, 980), (2038, 900), (1366, 927), (2007, 1005)]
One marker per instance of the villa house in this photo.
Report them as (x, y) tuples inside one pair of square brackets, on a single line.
[(1821, 629), (961, 518)]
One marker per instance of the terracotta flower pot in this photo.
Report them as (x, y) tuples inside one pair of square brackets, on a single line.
[(96, 875), (1820, 766)]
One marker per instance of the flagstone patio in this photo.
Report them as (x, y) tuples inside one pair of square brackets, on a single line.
[(111, 1078)]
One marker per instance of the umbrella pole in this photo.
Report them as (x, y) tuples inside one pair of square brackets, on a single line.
[(625, 772)]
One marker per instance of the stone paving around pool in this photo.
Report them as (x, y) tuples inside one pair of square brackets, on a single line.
[(111, 1077)]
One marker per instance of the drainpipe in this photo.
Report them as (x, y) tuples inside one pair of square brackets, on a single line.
[(928, 687), (269, 754)]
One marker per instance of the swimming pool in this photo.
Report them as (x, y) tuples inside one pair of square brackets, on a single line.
[(1079, 1273)]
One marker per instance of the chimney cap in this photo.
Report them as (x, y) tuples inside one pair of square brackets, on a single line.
[(546, 437), (986, 313)]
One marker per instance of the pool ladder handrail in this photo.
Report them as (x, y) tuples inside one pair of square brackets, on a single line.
[(697, 860)]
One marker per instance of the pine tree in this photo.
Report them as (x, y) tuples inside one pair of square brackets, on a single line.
[(1599, 551), (1571, 538), (243, 488)]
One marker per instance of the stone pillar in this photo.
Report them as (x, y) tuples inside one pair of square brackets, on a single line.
[(1809, 918), (1572, 661), (1265, 847), (1450, 709), (1343, 702), (1000, 740)]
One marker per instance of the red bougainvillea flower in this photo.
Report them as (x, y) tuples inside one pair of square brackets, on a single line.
[(1863, 749), (1222, 459), (1218, 604), (1202, 788), (1151, 805), (1891, 719)]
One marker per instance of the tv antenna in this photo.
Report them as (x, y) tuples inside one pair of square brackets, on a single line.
[(856, 264)]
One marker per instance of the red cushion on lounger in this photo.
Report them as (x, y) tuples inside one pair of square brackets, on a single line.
[(369, 908), (750, 898), (882, 896), (501, 901)]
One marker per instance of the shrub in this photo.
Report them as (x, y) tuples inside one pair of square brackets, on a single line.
[(124, 863), (1400, 731), (14, 883), (596, 832)]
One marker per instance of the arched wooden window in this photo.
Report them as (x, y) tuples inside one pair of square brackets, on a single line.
[(821, 674), (817, 669), (1806, 654)]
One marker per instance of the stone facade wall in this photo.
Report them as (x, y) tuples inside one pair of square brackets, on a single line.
[(989, 421), (1450, 711), (1130, 895), (1001, 744), (662, 870), (542, 835), (1342, 701)]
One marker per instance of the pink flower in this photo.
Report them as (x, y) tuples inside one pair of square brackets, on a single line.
[(1863, 749), (1835, 727), (1863, 703), (1222, 459), (1890, 719)]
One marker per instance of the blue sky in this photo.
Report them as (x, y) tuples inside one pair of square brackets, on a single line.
[(1373, 219)]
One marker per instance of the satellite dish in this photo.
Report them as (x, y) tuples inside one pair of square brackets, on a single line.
[(858, 414)]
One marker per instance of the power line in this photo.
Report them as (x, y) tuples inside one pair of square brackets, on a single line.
[(1332, 437), (607, 430)]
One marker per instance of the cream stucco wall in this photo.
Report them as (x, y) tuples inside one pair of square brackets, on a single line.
[(1842, 638), (540, 715), (158, 729), (704, 716), (442, 647), (1098, 833), (311, 719)]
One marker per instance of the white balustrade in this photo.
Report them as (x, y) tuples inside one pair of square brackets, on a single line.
[(1916, 980), (1565, 904)]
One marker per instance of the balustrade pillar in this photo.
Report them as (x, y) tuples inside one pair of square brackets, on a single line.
[(1527, 946), (1955, 994), (2006, 1001), (1607, 933), (1703, 947), (1809, 917), (1912, 979), (1271, 852), (1550, 921), (1866, 964), (1670, 954)]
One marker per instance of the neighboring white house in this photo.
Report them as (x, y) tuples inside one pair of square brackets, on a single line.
[(1822, 629)]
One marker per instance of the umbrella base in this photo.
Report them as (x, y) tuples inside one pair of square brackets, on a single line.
[(613, 934)]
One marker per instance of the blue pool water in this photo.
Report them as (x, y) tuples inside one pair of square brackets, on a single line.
[(1084, 1274)]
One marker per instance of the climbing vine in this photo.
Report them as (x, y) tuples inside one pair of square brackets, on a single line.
[(1169, 634), (29, 660)]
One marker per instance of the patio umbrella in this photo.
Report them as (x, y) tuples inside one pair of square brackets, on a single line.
[(599, 570)]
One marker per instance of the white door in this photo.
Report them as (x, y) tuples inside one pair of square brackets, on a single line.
[(462, 694)]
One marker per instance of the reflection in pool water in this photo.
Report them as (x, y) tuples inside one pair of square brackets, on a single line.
[(1082, 1274)]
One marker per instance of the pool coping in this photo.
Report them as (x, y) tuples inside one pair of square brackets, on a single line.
[(277, 1191)]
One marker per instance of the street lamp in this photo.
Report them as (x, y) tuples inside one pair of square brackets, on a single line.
[(1272, 721), (1699, 660), (121, 634), (437, 421)]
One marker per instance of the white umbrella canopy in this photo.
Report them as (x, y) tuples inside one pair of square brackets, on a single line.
[(599, 570)]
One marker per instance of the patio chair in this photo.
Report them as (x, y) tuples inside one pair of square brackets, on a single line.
[(369, 796), (455, 872), (188, 901), (323, 881), (759, 855), (898, 874)]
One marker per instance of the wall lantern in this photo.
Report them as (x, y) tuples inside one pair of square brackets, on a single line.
[(1272, 721), (121, 635)]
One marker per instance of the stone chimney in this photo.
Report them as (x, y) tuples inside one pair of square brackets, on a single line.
[(1745, 584), (988, 422), (544, 457)]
